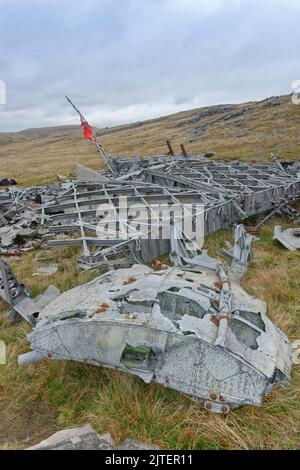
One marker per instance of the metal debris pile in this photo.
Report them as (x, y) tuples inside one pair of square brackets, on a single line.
[(65, 214), (21, 221), (190, 327), (229, 194)]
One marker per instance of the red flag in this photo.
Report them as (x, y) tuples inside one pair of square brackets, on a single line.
[(88, 131)]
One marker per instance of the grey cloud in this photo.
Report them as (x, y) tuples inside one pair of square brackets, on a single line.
[(136, 59)]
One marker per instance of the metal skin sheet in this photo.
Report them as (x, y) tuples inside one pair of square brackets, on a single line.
[(162, 326), (16, 295), (289, 238)]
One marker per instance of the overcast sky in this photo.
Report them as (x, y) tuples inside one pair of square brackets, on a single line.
[(129, 60)]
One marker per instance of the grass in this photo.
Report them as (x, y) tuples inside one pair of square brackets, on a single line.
[(265, 129), (42, 398)]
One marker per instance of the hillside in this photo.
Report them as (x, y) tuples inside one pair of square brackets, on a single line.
[(34, 133), (44, 397), (242, 131)]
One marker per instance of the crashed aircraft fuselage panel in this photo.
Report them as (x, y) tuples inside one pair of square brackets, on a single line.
[(162, 326)]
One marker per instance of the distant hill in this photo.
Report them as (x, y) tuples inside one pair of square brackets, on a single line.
[(34, 133), (232, 131)]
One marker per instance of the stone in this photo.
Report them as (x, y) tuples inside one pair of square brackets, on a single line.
[(85, 438)]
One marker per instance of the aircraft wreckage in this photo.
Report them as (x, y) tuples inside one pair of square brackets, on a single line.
[(190, 327)]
